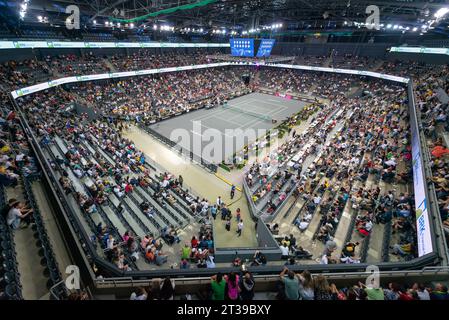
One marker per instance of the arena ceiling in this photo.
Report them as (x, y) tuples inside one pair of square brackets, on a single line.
[(237, 14)]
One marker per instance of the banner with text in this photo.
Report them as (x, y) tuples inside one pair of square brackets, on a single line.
[(99, 45)]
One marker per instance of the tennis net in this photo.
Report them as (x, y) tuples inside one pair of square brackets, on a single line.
[(250, 113)]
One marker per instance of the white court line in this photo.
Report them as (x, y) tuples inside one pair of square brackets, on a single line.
[(250, 102)]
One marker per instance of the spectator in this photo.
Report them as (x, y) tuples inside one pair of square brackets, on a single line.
[(218, 286), (167, 291), (306, 286), (247, 287), (232, 286), (322, 290), (18, 216), (291, 284)]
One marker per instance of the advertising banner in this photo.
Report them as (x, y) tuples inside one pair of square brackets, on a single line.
[(99, 44)]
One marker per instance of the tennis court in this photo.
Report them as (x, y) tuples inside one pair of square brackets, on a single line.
[(209, 127)]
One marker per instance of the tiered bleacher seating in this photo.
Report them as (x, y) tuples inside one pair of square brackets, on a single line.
[(9, 274)]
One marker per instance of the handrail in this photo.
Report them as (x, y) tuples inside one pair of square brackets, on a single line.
[(56, 285), (429, 271)]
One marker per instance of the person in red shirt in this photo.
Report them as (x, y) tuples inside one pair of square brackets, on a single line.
[(194, 242), (238, 215), (128, 188)]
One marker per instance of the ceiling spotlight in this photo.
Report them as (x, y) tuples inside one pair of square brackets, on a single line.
[(131, 25), (94, 22), (106, 23), (441, 13), (389, 26), (39, 18), (395, 27), (118, 24), (415, 29), (154, 26)]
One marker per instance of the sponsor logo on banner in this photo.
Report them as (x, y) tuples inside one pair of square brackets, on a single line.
[(82, 78), (16, 44), (52, 83), (50, 44)]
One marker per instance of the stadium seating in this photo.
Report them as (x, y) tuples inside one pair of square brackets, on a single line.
[(107, 184)]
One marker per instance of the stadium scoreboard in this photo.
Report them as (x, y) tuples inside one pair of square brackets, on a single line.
[(244, 47)]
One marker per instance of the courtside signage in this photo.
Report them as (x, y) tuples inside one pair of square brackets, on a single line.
[(420, 50), (94, 45)]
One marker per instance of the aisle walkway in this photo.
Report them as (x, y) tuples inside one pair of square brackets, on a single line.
[(34, 283)]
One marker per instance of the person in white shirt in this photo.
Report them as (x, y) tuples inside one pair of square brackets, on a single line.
[(15, 214), (284, 251), (219, 201), (110, 242), (303, 225), (117, 191), (139, 295), (165, 183), (368, 225), (240, 228), (391, 162), (210, 262), (308, 217), (324, 259), (349, 260)]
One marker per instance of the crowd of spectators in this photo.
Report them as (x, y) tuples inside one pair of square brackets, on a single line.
[(242, 286), (158, 96), (384, 144), (146, 59), (304, 286), (114, 172), (431, 92), (372, 140)]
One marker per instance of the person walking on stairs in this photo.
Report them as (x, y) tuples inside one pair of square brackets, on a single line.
[(240, 228), (228, 224), (238, 215), (232, 191)]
